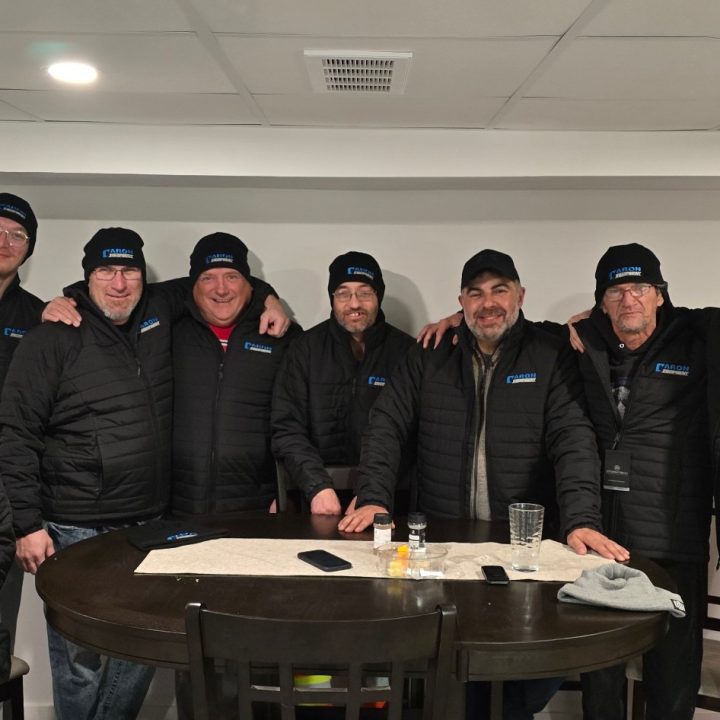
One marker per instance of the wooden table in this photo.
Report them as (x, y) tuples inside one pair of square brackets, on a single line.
[(507, 632)]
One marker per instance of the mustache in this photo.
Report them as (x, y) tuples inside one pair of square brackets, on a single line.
[(490, 313)]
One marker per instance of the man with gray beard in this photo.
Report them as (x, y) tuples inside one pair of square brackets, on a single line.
[(86, 437), (500, 418)]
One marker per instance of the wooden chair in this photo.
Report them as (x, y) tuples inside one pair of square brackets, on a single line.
[(709, 695), (11, 689), (256, 649)]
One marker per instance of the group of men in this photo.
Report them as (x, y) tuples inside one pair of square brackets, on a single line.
[(178, 397)]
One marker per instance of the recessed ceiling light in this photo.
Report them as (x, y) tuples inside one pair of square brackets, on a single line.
[(73, 72)]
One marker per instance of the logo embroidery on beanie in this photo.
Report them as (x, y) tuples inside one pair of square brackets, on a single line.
[(354, 270), (219, 257), (257, 347), (628, 271), (14, 210), (665, 368), (376, 381), (12, 332), (528, 377), (110, 253)]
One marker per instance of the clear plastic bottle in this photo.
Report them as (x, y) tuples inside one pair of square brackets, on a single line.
[(382, 529), (417, 524)]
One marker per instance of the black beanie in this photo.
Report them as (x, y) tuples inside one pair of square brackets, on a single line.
[(15, 208), (114, 246), (492, 260), (356, 267), (631, 263), (219, 250)]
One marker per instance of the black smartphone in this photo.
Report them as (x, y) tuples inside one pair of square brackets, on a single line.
[(324, 560), (495, 574)]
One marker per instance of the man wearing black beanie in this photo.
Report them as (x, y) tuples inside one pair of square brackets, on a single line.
[(86, 443), (646, 382), (330, 378), (19, 311)]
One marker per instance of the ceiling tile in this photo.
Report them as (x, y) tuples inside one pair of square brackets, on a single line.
[(376, 111), (400, 18), (657, 17), (155, 108), (445, 68), (174, 62), (627, 68), (9, 112), (76, 16), (560, 114)]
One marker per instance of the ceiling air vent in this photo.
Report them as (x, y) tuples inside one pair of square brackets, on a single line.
[(359, 71)]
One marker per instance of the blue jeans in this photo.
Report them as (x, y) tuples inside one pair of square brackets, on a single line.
[(86, 685)]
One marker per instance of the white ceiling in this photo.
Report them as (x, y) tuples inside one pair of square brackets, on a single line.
[(612, 65)]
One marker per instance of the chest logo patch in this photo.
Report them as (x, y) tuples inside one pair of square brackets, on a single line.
[(665, 368), (376, 381), (257, 347), (149, 324), (12, 332), (517, 378)]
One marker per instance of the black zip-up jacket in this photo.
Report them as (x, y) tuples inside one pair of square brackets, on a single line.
[(323, 396), (221, 430), (540, 446), (86, 416), (666, 513), (19, 312)]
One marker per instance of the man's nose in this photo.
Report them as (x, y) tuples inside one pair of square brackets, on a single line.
[(119, 282)]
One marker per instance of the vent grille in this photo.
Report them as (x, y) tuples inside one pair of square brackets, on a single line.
[(358, 71)]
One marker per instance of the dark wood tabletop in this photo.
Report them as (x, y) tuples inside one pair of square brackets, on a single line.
[(519, 630)]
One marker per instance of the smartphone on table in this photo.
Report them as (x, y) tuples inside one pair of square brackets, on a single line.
[(324, 560), (495, 574)]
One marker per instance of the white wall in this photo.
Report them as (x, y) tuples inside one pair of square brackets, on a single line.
[(421, 238)]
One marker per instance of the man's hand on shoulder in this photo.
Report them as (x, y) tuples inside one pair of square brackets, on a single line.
[(575, 340), (358, 520), (62, 309), (438, 329), (583, 539), (274, 321), (32, 550), (326, 502)]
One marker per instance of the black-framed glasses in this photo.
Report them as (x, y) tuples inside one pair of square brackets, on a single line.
[(344, 295), (107, 273), (616, 293), (15, 238)]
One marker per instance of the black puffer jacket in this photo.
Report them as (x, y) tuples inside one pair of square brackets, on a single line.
[(323, 396), (86, 416), (666, 513), (221, 434), (537, 433), (19, 311)]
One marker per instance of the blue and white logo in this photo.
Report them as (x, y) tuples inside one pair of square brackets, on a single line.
[(257, 347), (665, 368), (376, 381), (219, 257), (111, 253), (14, 210), (354, 270), (628, 271), (12, 332), (149, 324), (528, 377)]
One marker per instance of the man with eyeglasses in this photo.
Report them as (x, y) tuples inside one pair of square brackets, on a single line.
[(19, 311), (86, 416), (645, 378), (330, 378)]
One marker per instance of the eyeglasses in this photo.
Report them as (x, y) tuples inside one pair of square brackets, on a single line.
[(637, 291), (344, 296), (15, 238), (107, 273)]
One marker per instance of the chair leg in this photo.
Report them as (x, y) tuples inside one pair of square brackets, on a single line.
[(638, 701)]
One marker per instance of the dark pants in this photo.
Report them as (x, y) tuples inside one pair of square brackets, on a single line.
[(521, 698), (671, 670)]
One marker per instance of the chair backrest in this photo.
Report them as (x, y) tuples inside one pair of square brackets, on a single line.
[(263, 655), (342, 476)]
